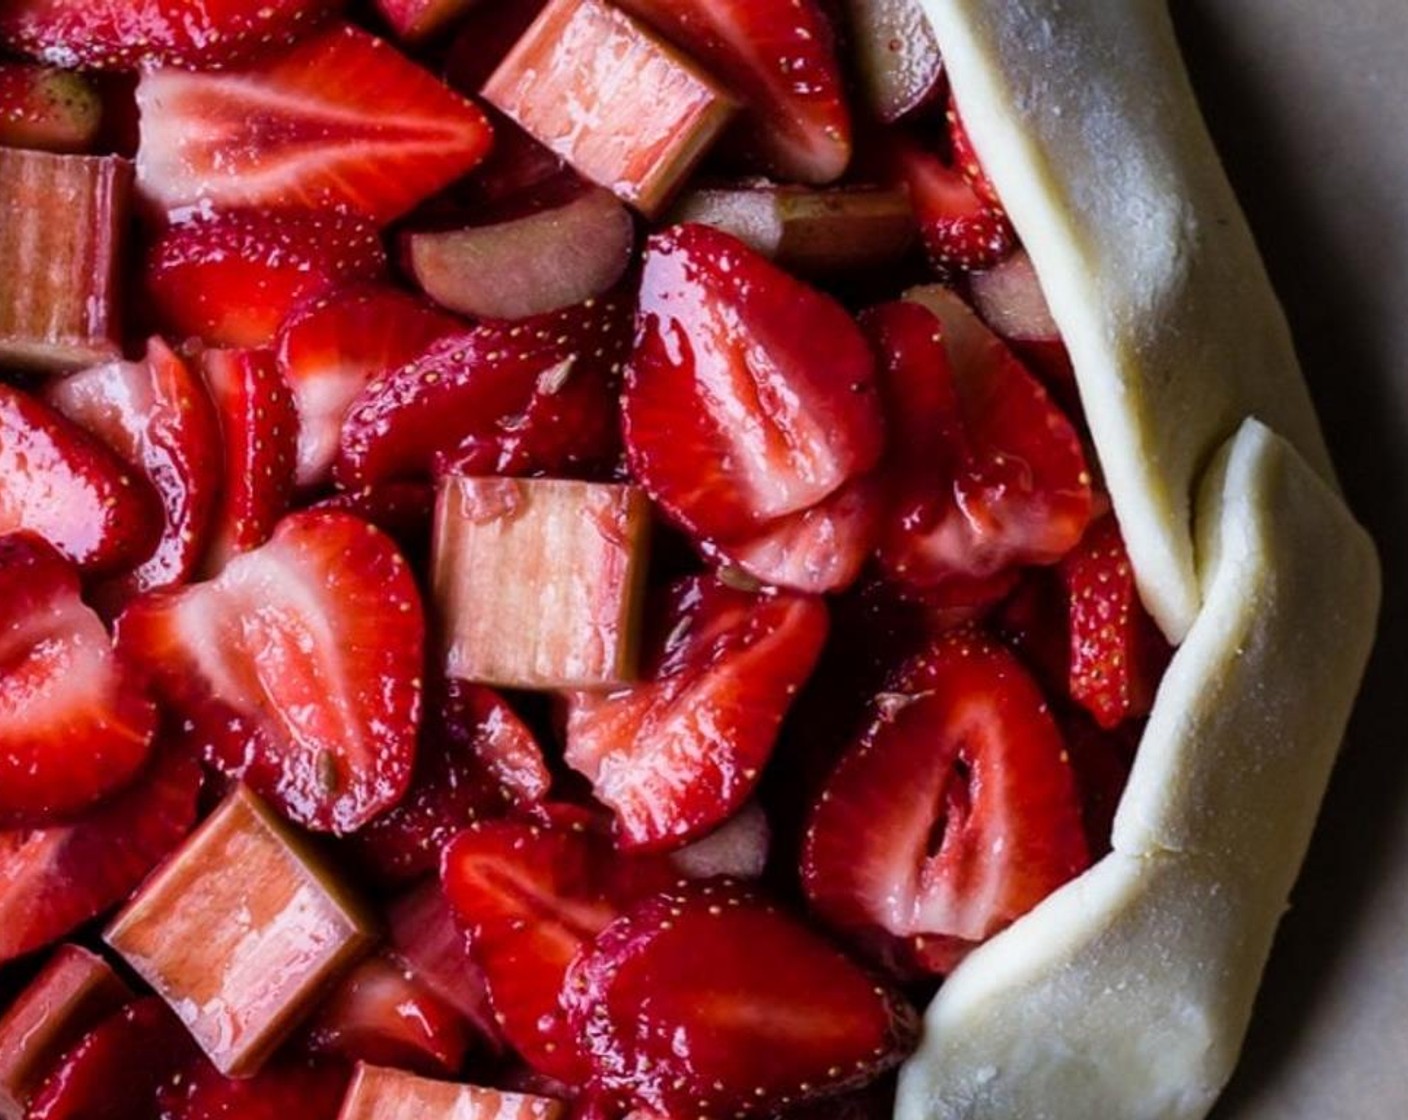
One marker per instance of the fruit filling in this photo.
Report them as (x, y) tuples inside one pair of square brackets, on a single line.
[(551, 560)]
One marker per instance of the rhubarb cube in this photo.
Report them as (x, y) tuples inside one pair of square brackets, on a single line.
[(808, 230), (62, 220), (73, 993), (241, 932), (623, 107), (539, 581), (389, 1094)]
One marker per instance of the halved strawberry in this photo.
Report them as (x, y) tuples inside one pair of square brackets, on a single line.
[(54, 879), (343, 121), (332, 347), (677, 754), (531, 898), (46, 108), (476, 759), (115, 1070), (710, 1000), (959, 228), (416, 20), (258, 431), (403, 511), (749, 395), (781, 59), (1118, 654), (230, 279), (955, 812), (297, 669), (380, 1013), (121, 35), (73, 725), (987, 473), (157, 415), (538, 395), (966, 159), (283, 1089), (62, 484)]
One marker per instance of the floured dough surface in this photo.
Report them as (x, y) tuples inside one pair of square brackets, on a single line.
[(1081, 113), (1125, 995)]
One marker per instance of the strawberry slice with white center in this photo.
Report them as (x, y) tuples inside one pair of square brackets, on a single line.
[(331, 348), (259, 431), (533, 396), (61, 483), (530, 898), (281, 1089), (157, 415), (297, 669), (54, 879), (343, 121), (677, 754), (954, 814), (960, 229), (231, 279), (781, 59), (1117, 654), (988, 474), (749, 395), (73, 725), (709, 1000), (122, 35)]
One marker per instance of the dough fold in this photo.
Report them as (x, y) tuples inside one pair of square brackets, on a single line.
[(1126, 994)]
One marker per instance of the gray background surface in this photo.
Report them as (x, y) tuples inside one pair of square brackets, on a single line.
[(1308, 102)]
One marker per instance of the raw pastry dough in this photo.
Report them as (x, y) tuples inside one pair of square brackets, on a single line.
[(1125, 996)]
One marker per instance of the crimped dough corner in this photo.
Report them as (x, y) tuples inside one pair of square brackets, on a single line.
[(1126, 995)]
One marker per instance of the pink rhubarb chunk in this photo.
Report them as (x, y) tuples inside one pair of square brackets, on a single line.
[(388, 1094)]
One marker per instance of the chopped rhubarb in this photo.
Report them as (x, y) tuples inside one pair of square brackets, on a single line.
[(61, 241), (896, 55), (46, 108), (1010, 300), (541, 262), (539, 581), (241, 932), (75, 991), (377, 1093), (805, 229), (737, 849), (624, 108)]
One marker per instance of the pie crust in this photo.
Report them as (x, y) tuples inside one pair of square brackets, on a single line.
[(1127, 993)]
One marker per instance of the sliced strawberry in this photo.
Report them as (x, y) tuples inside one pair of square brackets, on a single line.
[(476, 759), (342, 121), (955, 812), (61, 483), (157, 415), (1034, 621), (422, 934), (402, 510), (46, 108), (258, 429), (815, 550), (232, 278), (115, 1070), (966, 159), (538, 395), (1102, 760), (331, 348), (960, 230), (781, 59), (73, 725), (297, 669), (530, 898), (380, 1013), (677, 754), (710, 1000), (417, 20), (1118, 654), (121, 35), (749, 395), (53, 879), (987, 474), (283, 1089)]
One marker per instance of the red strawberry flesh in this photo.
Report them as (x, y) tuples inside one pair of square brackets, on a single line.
[(48, 109)]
